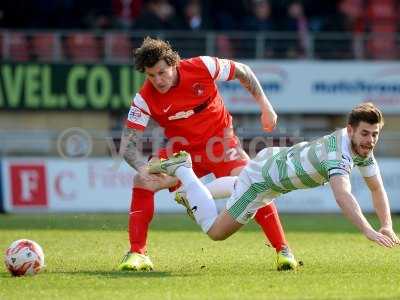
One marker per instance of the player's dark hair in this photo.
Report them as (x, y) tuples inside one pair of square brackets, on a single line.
[(365, 112), (152, 51)]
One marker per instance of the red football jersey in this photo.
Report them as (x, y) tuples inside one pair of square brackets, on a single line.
[(177, 110)]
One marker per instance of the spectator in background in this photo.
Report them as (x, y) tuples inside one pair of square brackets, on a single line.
[(348, 19), (192, 15), (98, 14), (318, 12), (297, 22), (158, 15), (260, 18), (227, 14), (125, 12), (193, 19)]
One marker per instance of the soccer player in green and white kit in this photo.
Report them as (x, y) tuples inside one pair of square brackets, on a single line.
[(279, 170)]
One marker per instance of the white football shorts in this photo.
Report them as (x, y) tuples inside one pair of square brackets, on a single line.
[(250, 191)]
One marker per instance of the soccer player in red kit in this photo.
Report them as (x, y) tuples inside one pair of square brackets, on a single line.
[(183, 98)]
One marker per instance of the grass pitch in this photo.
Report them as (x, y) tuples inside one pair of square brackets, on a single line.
[(82, 252)]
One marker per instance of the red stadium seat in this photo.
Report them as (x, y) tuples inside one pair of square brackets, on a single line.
[(83, 47), (46, 46), (118, 47), (18, 46), (382, 22)]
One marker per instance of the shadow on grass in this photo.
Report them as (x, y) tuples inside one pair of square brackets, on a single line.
[(108, 274), (168, 222), (106, 222), (123, 274), (117, 274), (5, 275)]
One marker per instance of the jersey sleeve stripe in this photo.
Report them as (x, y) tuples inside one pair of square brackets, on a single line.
[(137, 117), (217, 69), (141, 103), (225, 69), (337, 174), (134, 125), (232, 70), (338, 169), (210, 63), (369, 170)]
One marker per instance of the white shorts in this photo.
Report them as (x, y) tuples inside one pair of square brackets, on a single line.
[(251, 191)]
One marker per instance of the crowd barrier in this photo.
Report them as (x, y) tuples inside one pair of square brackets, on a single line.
[(104, 185)]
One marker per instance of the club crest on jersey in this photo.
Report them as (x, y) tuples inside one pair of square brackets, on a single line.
[(134, 114), (198, 89)]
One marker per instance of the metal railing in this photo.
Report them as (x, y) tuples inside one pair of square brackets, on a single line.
[(116, 46)]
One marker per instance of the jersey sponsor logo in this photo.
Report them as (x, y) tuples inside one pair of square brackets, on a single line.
[(181, 115), (28, 185), (167, 109), (134, 114), (198, 89)]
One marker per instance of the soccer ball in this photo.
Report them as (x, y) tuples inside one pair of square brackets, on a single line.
[(24, 257)]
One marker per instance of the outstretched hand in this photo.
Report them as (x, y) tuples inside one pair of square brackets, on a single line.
[(388, 231), (380, 239)]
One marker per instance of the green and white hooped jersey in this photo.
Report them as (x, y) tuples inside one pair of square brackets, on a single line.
[(279, 170), (311, 164)]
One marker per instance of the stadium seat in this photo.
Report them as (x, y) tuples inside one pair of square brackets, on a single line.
[(18, 46), (118, 47), (46, 46), (382, 22), (83, 47), (382, 45)]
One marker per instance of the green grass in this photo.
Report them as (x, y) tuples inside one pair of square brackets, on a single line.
[(82, 252)]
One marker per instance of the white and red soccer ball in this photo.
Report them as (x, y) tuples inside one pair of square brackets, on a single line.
[(24, 257)]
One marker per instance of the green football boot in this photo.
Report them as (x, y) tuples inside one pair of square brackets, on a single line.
[(169, 166), (135, 262), (180, 198), (285, 260)]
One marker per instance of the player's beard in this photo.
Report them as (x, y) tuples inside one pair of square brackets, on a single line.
[(360, 149)]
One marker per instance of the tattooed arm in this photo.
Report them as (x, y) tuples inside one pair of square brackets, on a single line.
[(129, 148), (250, 82)]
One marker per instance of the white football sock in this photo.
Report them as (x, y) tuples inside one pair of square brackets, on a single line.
[(200, 199), (222, 187)]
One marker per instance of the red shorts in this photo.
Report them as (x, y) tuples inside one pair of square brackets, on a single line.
[(218, 158)]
